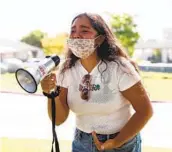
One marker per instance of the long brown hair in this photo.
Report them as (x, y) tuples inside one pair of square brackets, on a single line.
[(109, 50)]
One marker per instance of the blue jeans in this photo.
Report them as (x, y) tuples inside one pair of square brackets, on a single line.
[(83, 142)]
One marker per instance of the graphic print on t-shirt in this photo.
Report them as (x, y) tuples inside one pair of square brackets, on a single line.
[(92, 87), (99, 87)]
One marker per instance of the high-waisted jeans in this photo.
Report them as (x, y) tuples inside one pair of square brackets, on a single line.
[(83, 142)]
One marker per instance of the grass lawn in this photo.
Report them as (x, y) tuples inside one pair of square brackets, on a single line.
[(41, 145), (159, 89), (158, 85)]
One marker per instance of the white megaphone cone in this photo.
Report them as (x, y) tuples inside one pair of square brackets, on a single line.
[(29, 78)]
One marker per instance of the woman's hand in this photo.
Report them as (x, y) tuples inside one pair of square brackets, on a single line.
[(48, 83), (108, 145)]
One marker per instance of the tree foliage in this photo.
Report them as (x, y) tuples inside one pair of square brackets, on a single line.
[(34, 38), (55, 45), (124, 29), (50, 45)]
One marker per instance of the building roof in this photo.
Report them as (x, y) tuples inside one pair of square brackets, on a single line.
[(153, 44), (7, 49), (7, 45)]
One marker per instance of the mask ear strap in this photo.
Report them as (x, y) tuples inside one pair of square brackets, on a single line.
[(95, 47), (100, 41)]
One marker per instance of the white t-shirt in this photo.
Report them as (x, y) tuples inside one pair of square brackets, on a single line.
[(107, 111)]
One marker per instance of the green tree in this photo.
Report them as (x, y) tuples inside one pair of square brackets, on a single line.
[(54, 45), (34, 38), (124, 29)]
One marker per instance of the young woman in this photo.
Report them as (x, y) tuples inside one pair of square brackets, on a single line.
[(101, 85)]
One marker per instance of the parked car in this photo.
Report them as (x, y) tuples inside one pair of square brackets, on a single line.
[(32, 62), (3, 68), (13, 64)]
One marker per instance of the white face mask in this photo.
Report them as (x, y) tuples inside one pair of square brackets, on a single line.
[(82, 48)]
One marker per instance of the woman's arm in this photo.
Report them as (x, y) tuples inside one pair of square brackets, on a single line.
[(143, 112), (141, 103), (62, 109)]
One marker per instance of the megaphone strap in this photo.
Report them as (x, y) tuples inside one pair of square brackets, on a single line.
[(53, 105), (55, 139)]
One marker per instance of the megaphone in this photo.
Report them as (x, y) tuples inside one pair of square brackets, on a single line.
[(29, 78)]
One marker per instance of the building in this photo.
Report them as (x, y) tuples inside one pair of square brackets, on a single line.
[(167, 33), (16, 54), (145, 50), (19, 50)]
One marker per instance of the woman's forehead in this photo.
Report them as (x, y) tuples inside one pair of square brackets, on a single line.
[(82, 21)]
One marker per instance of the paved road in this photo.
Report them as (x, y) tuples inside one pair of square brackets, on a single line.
[(26, 116)]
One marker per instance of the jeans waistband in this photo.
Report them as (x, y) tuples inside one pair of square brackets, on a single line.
[(81, 134)]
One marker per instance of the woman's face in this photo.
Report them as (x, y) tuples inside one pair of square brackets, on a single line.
[(81, 28)]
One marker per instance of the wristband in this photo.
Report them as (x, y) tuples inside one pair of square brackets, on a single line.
[(53, 94)]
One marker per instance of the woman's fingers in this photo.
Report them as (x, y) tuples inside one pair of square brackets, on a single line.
[(107, 145), (49, 82), (96, 141), (51, 76)]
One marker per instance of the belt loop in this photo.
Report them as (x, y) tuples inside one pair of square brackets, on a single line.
[(108, 137), (79, 134)]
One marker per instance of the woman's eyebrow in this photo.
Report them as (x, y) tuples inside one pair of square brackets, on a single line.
[(82, 26)]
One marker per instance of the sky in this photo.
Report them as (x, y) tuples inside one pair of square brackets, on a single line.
[(19, 17)]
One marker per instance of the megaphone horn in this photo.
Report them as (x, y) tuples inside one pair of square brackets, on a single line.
[(29, 78)]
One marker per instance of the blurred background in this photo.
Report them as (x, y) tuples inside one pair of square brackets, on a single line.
[(32, 29)]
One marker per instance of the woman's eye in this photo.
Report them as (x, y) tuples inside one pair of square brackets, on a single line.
[(72, 31), (84, 31)]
